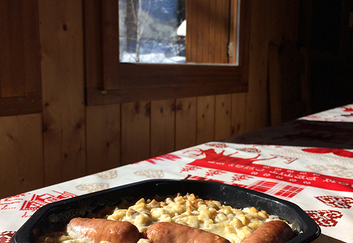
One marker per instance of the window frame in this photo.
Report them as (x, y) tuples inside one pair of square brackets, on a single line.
[(20, 75), (109, 82)]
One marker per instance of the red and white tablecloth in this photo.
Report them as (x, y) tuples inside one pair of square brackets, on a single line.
[(339, 114), (319, 180)]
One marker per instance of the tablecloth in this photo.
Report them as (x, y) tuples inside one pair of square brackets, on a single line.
[(340, 114), (319, 180)]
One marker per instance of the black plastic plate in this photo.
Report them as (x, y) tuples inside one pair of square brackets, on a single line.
[(57, 214)]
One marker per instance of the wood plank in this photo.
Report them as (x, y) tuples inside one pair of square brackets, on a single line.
[(32, 58), (21, 152), (238, 114), (162, 127), (274, 83), (205, 33), (205, 127), (191, 43), (103, 137), (12, 106), (110, 38), (233, 33), (5, 43), (63, 89), (223, 116), (92, 44), (20, 76), (212, 33), (185, 123), (222, 28), (99, 97), (135, 131), (13, 84), (257, 100)]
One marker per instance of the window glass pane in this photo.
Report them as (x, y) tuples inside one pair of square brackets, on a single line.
[(152, 31)]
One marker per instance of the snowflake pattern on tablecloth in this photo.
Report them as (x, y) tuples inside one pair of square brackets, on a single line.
[(325, 218), (190, 168), (5, 237), (336, 201), (214, 172), (240, 177)]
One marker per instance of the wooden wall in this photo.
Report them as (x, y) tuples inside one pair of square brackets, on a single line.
[(68, 139)]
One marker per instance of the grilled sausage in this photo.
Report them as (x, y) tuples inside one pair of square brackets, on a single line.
[(164, 232), (275, 231), (97, 230)]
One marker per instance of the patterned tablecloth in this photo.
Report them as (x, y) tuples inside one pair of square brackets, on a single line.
[(318, 179), (339, 114)]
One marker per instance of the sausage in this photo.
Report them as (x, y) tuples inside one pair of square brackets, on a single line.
[(275, 231), (97, 230), (163, 232)]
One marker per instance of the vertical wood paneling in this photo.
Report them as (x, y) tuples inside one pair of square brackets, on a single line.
[(274, 84), (212, 32), (185, 123), (223, 116), (92, 48), (222, 31), (238, 113), (204, 55), (200, 17), (13, 84), (19, 45), (191, 43), (135, 131), (256, 113), (31, 55), (271, 21), (63, 89), (103, 137), (162, 127), (21, 167), (205, 126)]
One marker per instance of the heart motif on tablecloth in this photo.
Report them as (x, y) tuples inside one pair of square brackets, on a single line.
[(325, 218), (336, 201), (5, 237)]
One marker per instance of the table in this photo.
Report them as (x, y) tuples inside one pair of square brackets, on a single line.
[(308, 161)]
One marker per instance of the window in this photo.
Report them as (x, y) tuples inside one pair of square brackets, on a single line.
[(152, 31), (212, 66)]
